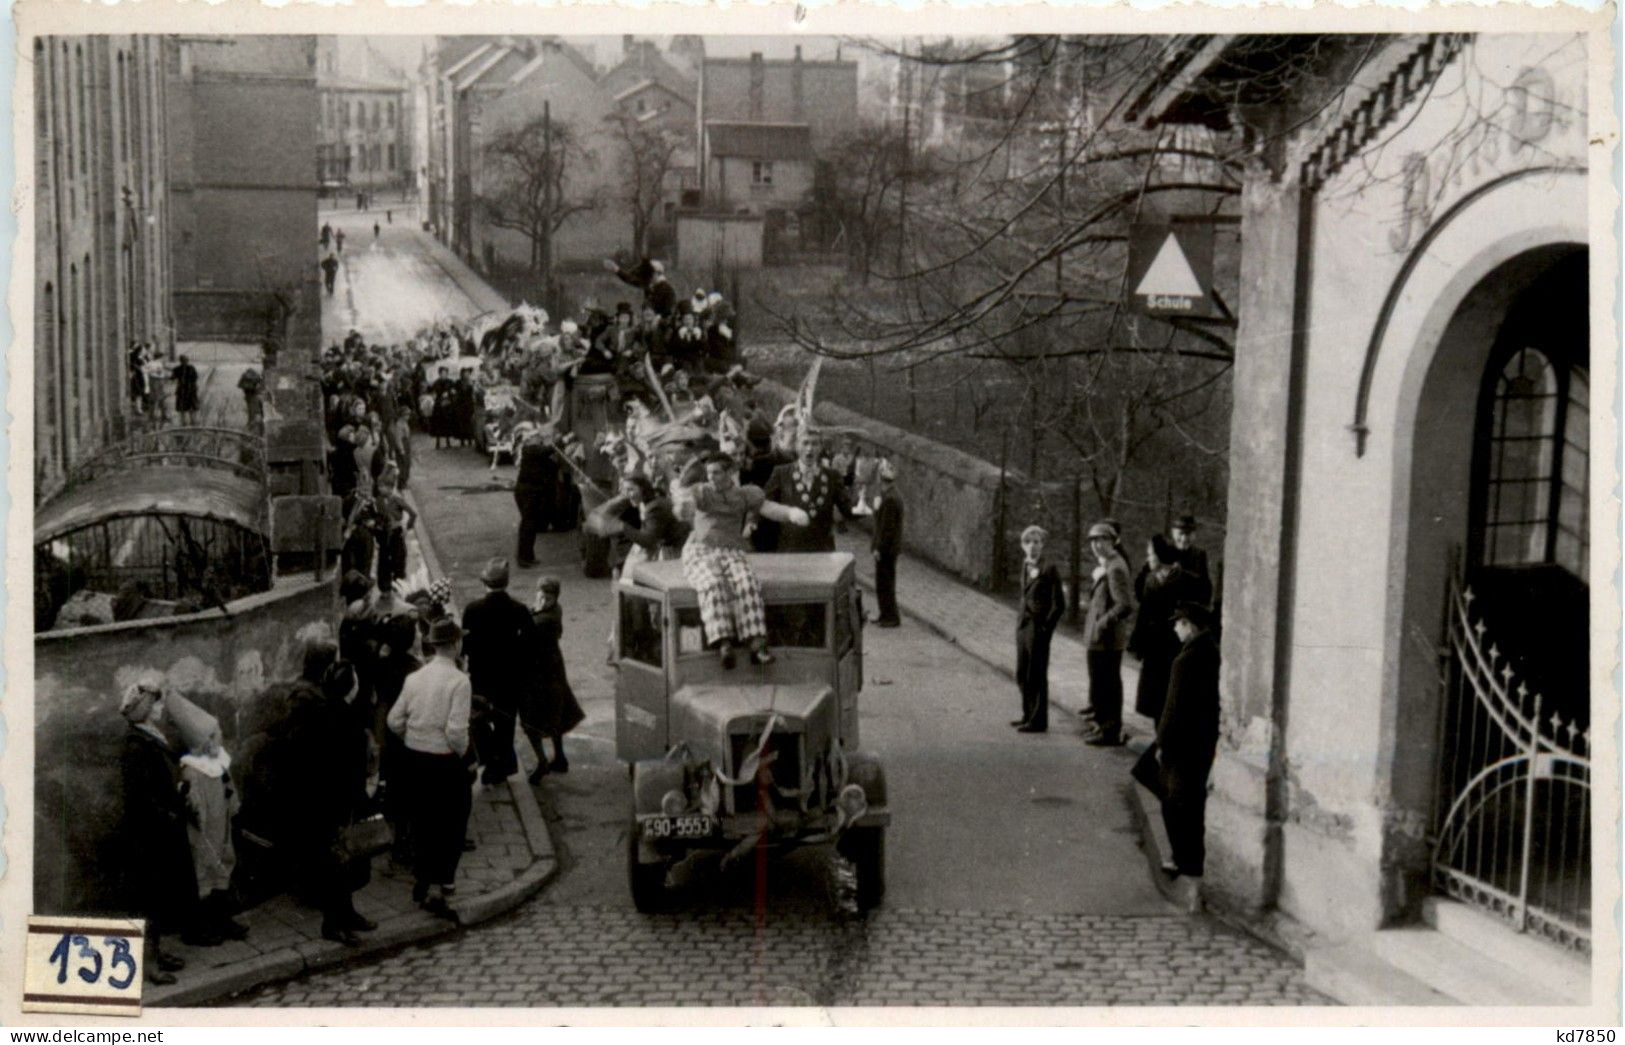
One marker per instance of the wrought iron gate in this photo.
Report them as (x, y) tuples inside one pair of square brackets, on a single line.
[(1513, 835)]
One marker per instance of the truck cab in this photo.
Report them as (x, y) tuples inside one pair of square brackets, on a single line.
[(760, 755)]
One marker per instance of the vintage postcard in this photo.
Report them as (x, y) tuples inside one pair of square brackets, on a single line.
[(805, 514)]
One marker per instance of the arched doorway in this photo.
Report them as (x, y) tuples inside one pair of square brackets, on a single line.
[(1504, 422)]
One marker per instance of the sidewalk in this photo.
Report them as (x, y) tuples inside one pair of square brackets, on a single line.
[(513, 859)]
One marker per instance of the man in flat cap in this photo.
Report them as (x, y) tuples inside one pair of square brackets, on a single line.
[(1187, 735), (1182, 534), (1106, 628), (499, 642)]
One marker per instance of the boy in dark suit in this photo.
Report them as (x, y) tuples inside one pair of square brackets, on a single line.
[(1043, 600)]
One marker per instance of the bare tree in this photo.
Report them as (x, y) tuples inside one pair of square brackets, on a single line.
[(647, 154), (528, 185)]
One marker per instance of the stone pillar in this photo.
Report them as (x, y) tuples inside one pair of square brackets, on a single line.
[(1243, 815)]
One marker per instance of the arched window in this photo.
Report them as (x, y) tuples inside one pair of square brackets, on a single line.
[(1535, 498)]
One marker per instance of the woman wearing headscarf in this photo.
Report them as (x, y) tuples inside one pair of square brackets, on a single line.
[(1161, 585), (161, 882), (550, 708)]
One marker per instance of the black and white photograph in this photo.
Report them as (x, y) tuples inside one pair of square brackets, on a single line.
[(903, 518)]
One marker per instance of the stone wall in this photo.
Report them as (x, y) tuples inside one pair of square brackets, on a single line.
[(227, 663), (952, 498)]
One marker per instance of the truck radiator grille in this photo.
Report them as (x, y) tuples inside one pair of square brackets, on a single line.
[(785, 769)]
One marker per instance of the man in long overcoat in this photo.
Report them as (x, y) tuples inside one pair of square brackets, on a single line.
[(887, 545), (1187, 735), (499, 642), (535, 492), (1043, 600)]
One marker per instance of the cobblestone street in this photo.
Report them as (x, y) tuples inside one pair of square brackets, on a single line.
[(1014, 870), (552, 955)]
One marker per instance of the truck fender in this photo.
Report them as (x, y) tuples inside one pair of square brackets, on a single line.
[(865, 770), (650, 780)]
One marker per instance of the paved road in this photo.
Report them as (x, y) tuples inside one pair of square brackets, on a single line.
[(1014, 871)]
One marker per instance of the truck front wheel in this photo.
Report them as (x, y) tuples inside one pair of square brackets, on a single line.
[(865, 847), (648, 881)]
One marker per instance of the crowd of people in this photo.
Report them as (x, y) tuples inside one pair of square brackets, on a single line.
[(1166, 616)]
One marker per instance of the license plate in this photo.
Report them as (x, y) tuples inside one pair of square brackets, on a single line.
[(697, 825)]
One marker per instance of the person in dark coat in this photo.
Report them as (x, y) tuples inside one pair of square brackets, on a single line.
[(815, 489), (1160, 586), (442, 419), (1183, 536), (887, 545), (535, 493), (1187, 736), (1106, 628), (186, 391), (330, 272), (643, 517), (550, 709), (1043, 600), (161, 881), (320, 787), (499, 644)]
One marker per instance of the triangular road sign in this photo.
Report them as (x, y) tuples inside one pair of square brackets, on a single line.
[(1170, 273)]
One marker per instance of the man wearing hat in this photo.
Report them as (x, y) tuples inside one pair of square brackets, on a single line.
[(498, 639), (535, 492), (1187, 735), (1183, 535), (887, 544), (1106, 629), (432, 719), (160, 880)]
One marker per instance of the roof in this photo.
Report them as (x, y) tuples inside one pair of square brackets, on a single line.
[(644, 85), (760, 141), (203, 493), (782, 575)]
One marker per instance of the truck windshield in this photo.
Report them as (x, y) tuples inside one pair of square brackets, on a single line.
[(797, 625)]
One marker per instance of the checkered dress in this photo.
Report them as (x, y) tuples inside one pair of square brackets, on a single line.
[(730, 596)]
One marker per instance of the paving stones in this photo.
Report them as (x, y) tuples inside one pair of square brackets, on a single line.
[(552, 956)]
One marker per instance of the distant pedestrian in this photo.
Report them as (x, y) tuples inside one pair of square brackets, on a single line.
[(330, 271), (499, 644), (338, 241), (360, 201), (140, 394), (887, 543), (1106, 627), (550, 709), (252, 385), (186, 391), (327, 235), (1162, 584), (1194, 559), (389, 217), (1043, 600), (375, 231), (1187, 736), (432, 717)]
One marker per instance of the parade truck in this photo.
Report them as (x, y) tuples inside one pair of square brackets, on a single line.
[(729, 761)]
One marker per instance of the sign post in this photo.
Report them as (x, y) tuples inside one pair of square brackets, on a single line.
[(1170, 270)]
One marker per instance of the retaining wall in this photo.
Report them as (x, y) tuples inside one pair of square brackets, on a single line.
[(227, 663)]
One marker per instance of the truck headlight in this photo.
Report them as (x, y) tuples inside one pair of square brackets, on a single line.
[(852, 802), (672, 803)]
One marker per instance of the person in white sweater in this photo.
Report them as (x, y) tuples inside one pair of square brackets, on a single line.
[(431, 717)]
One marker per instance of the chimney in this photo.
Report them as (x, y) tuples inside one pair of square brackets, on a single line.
[(797, 89)]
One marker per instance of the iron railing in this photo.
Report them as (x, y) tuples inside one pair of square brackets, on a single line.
[(239, 452), (1513, 834)]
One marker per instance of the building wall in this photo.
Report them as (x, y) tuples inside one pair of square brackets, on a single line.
[(574, 100), (731, 179), (226, 663), (101, 274), (362, 136), (1336, 585), (243, 125), (823, 95)]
